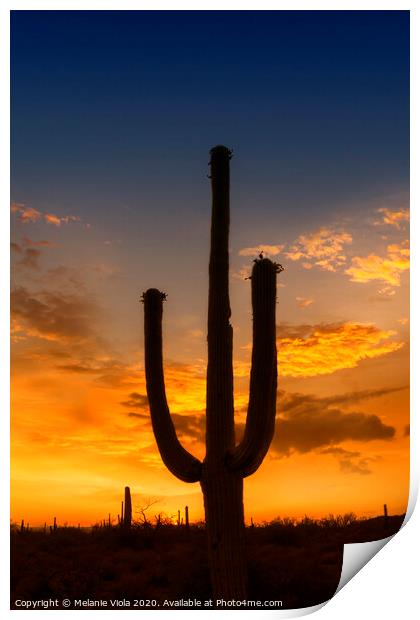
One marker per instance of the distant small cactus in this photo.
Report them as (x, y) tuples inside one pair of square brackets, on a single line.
[(127, 507), (385, 515)]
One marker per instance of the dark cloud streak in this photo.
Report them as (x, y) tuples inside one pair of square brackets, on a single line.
[(54, 316), (306, 422)]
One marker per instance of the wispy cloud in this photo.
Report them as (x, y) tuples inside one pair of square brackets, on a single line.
[(41, 243), (242, 274), (311, 350), (304, 302), (66, 278), (392, 217), (56, 220), (27, 215), (28, 252), (324, 248), (52, 316), (189, 428), (30, 258), (386, 268), (350, 461), (136, 400)]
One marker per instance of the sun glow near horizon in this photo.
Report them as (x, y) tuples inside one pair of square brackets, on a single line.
[(81, 429)]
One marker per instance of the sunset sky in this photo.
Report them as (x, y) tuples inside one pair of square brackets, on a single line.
[(113, 115)]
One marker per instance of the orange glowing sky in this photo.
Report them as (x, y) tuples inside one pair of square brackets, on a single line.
[(113, 115), (80, 422)]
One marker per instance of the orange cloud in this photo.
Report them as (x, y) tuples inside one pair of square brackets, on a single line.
[(268, 250), (311, 350), (27, 215), (323, 248), (387, 291), (244, 273), (304, 302), (50, 218), (387, 268), (393, 218)]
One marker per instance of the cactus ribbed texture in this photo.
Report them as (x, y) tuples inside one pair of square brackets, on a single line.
[(226, 464), (127, 507)]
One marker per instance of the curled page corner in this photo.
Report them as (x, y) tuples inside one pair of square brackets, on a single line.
[(412, 496), (357, 555)]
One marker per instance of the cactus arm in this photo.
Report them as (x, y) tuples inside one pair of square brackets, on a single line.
[(178, 460), (259, 427)]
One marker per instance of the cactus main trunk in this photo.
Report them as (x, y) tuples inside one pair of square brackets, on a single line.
[(226, 464), (222, 488)]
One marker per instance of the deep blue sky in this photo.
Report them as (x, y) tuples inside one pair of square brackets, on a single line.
[(117, 110)]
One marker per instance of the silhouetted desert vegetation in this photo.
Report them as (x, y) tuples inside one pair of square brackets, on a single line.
[(298, 562)]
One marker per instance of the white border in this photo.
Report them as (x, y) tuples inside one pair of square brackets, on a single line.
[(387, 586)]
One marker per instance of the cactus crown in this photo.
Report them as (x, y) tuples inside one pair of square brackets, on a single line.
[(221, 151)]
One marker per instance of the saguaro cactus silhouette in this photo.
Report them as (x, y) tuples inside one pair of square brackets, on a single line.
[(226, 464), (127, 507)]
